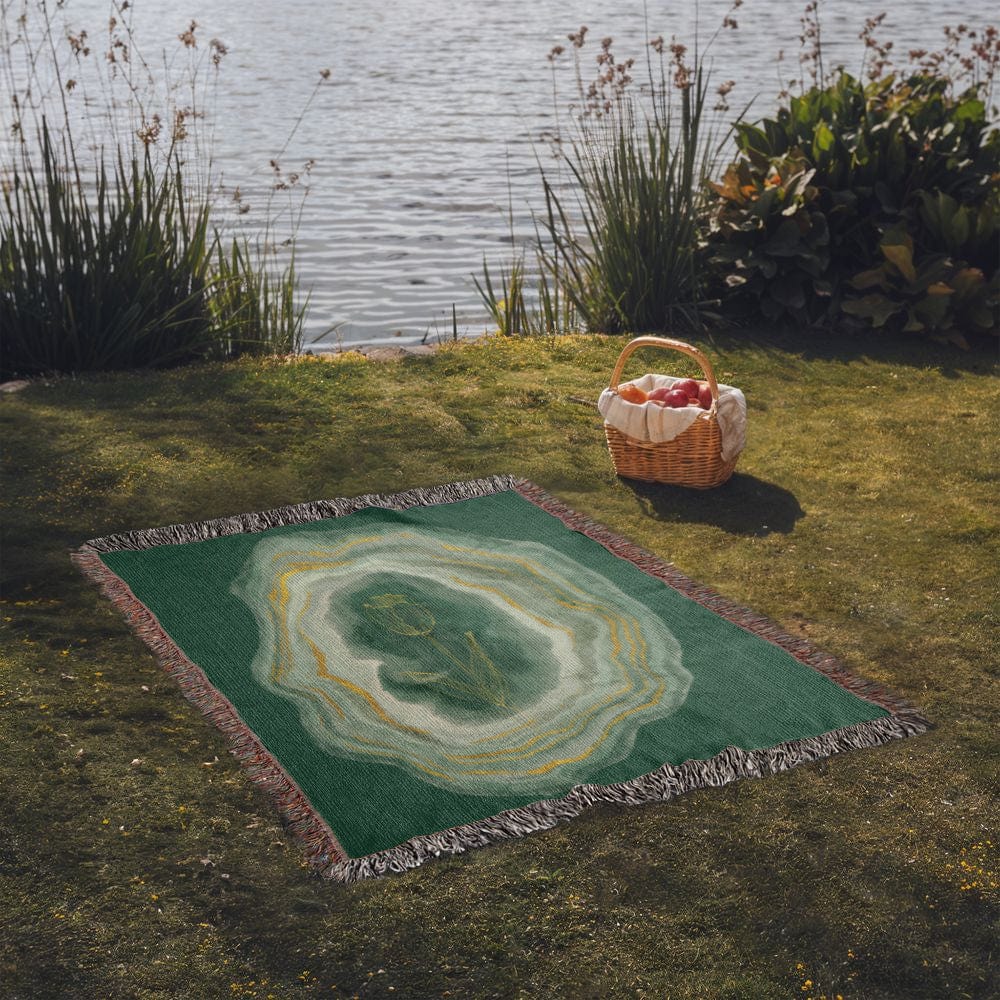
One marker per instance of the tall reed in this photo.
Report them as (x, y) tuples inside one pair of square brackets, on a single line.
[(619, 252), (255, 310), (126, 272), (117, 262), (629, 264)]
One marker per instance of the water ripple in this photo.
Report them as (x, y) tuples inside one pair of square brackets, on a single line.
[(430, 124)]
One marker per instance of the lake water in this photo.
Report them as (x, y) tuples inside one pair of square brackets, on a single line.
[(428, 128)]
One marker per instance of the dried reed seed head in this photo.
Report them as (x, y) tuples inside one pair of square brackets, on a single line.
[(555, 52), (682, 77), (324, 74), (657, 44), (218, 49), (188, 37), (179, 131), (150, 130), (78, 43)]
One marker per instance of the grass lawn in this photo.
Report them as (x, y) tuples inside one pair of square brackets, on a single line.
[(137, 861)]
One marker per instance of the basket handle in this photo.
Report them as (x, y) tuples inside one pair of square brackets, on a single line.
[(675, 345)]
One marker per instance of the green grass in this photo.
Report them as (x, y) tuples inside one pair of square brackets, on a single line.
[(137, 861)]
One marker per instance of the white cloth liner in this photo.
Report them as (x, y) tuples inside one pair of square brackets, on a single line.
[(650, 423)]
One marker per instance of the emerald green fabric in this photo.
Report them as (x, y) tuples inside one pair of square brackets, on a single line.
[(417, 670)]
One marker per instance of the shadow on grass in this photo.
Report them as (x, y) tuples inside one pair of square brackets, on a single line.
[(745, 505), (980, 358)]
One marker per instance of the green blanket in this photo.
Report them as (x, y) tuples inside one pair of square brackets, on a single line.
[(415, 674)]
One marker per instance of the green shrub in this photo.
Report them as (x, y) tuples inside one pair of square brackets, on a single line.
[(934, 294), (127, 272), (806, 219), (771, 241)]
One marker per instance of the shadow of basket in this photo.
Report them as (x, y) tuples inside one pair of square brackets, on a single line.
[(745, 505)]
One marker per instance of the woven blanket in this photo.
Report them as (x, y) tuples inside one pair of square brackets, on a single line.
[(416, 674)]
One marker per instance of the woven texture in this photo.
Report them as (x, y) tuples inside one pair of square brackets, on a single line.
[(694, 457), (420, 673)]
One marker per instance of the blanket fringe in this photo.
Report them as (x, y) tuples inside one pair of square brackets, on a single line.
[(321, 847), (303, 513), (803, 650), (298, 814), (658, 786)]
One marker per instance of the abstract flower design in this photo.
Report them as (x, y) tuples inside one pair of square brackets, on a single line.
[(477, 664)]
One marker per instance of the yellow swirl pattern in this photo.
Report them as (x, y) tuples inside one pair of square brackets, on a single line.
[(478, 665)]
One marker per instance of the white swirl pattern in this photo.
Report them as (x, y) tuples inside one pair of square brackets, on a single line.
[(477, 664)]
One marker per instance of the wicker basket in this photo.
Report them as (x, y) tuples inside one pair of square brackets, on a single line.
[(694, 457)]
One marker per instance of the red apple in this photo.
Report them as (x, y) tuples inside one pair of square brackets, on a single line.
[(688, 386), (704, 396), (669, 396)]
